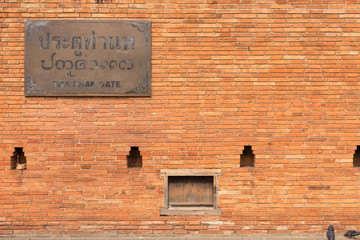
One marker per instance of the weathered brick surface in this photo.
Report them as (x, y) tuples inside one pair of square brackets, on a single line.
[(279, 75), (111, 236)]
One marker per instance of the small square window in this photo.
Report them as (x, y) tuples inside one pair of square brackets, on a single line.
[(356, 159), (134, 160), (247, 158), (190, 192), (18, 159)]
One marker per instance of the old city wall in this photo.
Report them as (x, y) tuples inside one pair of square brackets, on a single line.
[(280, 76)]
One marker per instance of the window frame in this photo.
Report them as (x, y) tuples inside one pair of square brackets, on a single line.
[(191, 210)]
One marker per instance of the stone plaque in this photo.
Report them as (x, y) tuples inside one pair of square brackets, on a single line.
[(87, 58)]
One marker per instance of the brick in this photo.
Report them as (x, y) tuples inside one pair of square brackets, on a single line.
[(280, 75)]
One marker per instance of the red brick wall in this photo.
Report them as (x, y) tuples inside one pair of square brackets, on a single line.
[(279, 75)]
